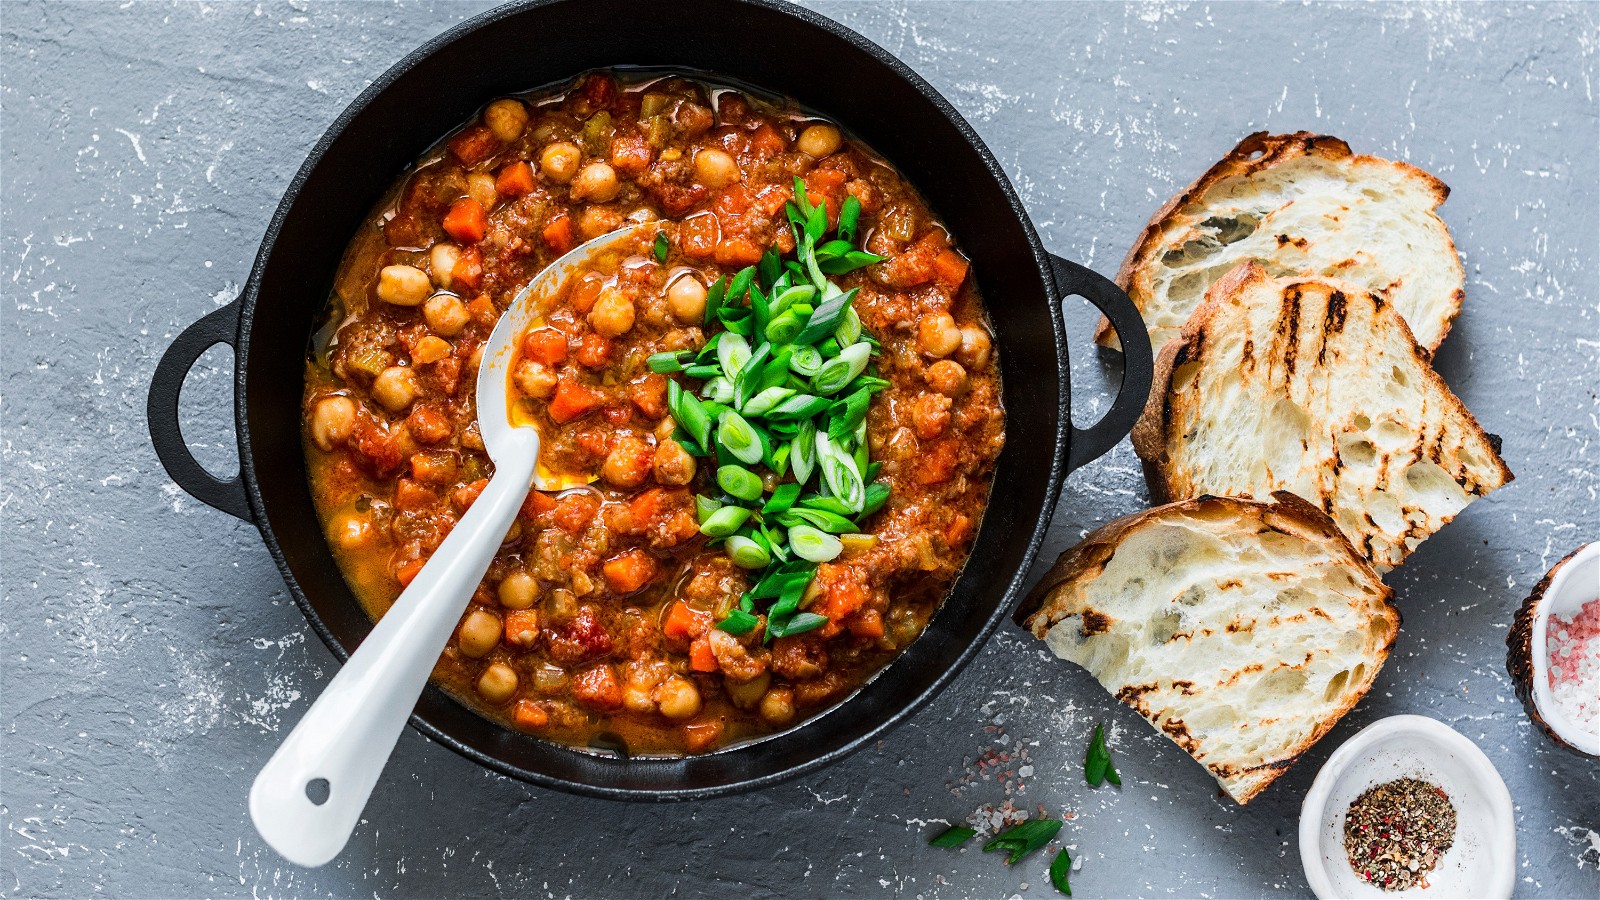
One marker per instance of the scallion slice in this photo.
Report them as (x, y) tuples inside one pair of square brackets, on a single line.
[(805, 361), (740, 438), (762, 403), (739, 482), (783, 497), (704, 507), (668, 362), (724, 521), (841, 370), (800, 623), (813, 544), (826, 318), (803, 458), (733, 351), (738, 622), (746, 553), (849, 330), (689, 413)]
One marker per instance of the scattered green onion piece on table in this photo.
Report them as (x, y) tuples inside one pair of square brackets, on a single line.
[(724, 521), (1023, 839), (1097, 766), (1060, 868), (739, 482), (738, 621), (954, 836), (813, 544), (661, 246), (746, 553)]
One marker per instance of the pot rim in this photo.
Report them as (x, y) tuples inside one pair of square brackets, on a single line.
[(1009, 590)]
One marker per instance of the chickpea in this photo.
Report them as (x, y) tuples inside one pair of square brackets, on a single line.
[(612, 314), (332, 421), (715, 168), (947, 377), (937, 335), (624, 466), (506, 118), (559, 162), (479, 633), (976, 346), (686, 297), (673, 464), (930, 414), (446, 314), (638, 699), (498, 683), (518, 590), (597, 182), (535, 379), (395, 387), (777, 706), (480, 187), (746, 694), (444, 257), (351, 531), (678, 697), (403, 285), (597, 220), (819, 140)]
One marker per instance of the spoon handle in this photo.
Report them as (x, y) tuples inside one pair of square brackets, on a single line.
[(347, 735)]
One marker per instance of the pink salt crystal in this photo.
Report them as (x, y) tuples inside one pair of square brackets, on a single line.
[(1575, 684)]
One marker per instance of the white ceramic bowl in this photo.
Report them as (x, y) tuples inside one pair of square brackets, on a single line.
[(1574, 582), (1481, 863)]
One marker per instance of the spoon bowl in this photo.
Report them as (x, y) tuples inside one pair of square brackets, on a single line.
[(308, 797)]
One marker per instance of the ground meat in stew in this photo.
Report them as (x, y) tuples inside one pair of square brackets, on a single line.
[(596, 615)]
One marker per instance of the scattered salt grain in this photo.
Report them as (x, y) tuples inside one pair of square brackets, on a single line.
[(1574, 651)]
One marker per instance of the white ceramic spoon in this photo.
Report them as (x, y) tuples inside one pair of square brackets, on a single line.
[(347, 735)]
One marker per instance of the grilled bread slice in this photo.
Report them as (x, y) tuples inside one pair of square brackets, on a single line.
[(1319, 389), (1300, 204), (1242, 630)]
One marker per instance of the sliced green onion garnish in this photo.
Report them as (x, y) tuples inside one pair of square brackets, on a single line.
[(740, 285), (725, 521), (738, 622), (746, 553), (667, 362), (733, 351), (800, 293), (826, 317), (849, 330), (805, 361), (770, 269), (803, 458), (849, 215), (847, 414), (826, 504), (839, 472), (714, 297), (718, 389), (783, 329), (822, 520), (762, 403), (842, 369), (810, 543), (739, 482), (690, 414), (800, 623), (849, 262), (783, 497), (739, 437), (703, 371), (704, 507), (661, 246), (877, 495)]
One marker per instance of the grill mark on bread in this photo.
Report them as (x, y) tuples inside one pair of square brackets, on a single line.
[(1095, 622), (1288, 329)]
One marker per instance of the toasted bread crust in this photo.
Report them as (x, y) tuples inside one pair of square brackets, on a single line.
[(1255, 154), (1156, 433), (1047, 604)]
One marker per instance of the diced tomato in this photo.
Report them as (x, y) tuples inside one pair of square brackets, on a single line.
[(598, 688), (938, 462), (629, 571), (700, 736), (599, 90), (410, 496), (630, 154), (771, 200), (468, 270), (466, 221), (546, 346), (558, 233), (734, 200), (580, 638), (617, 414), (428, 423), (483, 311), (737, 252), (467, 494), (529, 714), (594, 351), (867, 623), (575, 512), (515, 180), (538, 503), (701, 659), (406, 572), (698, 235), (522, 628), (376, 449), (572, 401), (474, 145), (950, 268), (768, 141), (683, 622), (585, 293), (650, 395)]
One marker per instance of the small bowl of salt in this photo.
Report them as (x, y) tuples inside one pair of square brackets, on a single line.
[(1553, 652)]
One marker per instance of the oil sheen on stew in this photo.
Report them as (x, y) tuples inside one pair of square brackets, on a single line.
[(600, 614)]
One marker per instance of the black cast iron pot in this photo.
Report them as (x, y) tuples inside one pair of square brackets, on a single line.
[(769, 44)]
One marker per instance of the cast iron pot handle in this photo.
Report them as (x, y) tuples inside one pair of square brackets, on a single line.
[(1138, 365), (219, 327)]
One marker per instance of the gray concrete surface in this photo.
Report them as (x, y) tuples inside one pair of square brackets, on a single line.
[(150, 658)]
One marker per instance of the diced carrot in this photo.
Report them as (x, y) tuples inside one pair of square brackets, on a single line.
[(867, 623), (950, 268), (515, 180), (585, 293), (737, 252), (957, 532), (546, 346), (474, 145), (466, 221), (434, 466), (406, 572), (937, 462), (522, 627), (410, 496), (701, 735), (768, 141), (645, 507), (483, 310), (650, 395), (575, 512), (572, 401), (467, 494), (630, 154), (538, 503), (529, 714), (825, 183), (701, 659), (771, 200), (594, 351), (734, 201), (697, 236), (629, 571), (683, 622), (468, 270), (558, 233)]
